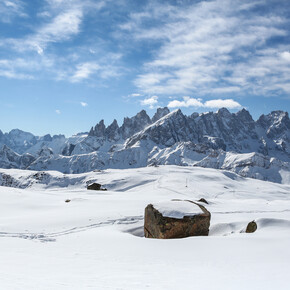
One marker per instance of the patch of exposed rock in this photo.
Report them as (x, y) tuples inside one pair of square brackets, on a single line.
[(95, 186), (251, 227)]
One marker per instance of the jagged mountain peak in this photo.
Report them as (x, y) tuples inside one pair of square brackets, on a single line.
[(135, 124), (224, 112), (244, 115), (175, 113), (141, 114), (47, 138), (161, 112), (114, 124), (19, 133), (275, 123), (98, 130), (112, 132), (168, 130)]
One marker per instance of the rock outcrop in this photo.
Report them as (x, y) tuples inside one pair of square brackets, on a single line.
[(95, 186), (251, 227), (176, 219)]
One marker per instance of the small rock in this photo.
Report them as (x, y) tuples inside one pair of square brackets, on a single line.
[(251, 227), (67, 200)]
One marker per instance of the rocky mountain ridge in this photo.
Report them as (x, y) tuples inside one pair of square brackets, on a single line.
[(224, 140)]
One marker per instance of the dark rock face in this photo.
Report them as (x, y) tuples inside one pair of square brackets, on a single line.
[(130, 126), (176, 127), (68, 149), (99, 130), (251, 227), (161, 112), (95, 186), (135, 124), (47, 138), (8, 158), (19, 141), (159, 227), (113, 131)]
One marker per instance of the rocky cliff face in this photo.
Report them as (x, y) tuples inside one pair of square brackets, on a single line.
[(222, 130), (130, 126), (207, 139)]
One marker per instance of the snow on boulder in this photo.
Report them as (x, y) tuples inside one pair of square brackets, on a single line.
[(176, 219)]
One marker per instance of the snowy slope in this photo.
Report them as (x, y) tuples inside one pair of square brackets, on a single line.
[(95, 241)]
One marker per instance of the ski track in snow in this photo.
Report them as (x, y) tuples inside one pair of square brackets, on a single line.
[(51, 237)]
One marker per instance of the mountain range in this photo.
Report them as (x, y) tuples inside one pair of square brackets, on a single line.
[(223, 140)]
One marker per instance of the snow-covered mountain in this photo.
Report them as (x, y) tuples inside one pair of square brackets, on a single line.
[(223, 140)]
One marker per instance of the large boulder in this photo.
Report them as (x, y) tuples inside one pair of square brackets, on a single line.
[(176, 219)]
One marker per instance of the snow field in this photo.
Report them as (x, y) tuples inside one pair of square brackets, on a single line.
[(96, 241)]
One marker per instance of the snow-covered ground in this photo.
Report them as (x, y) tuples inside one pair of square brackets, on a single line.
[(96, 241)]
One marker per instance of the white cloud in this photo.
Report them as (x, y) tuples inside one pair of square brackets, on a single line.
[(15, 75), (286, 55), (58, 112), (151, 102), (231, 89), (187, 102), (11, 9), (63, 21), (84, 70), (219, 103), (20, 68), (192, 102), (83, 104), (62, 27), (208, 43), (134, 95), (59, 21)]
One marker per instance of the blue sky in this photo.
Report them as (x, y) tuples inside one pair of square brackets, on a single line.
[(66, 64)]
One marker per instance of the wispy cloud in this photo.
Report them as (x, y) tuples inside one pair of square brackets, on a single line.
[(197, 103), (84, 104), (102, 70), (213, 47), (58, 112), (134, 95), (59, 21), (61, 28), (151, 102), (63, 21), (84, 70), (20, 68), (10, 9)]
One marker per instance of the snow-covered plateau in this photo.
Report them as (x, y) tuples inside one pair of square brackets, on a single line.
[(56, 234)]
